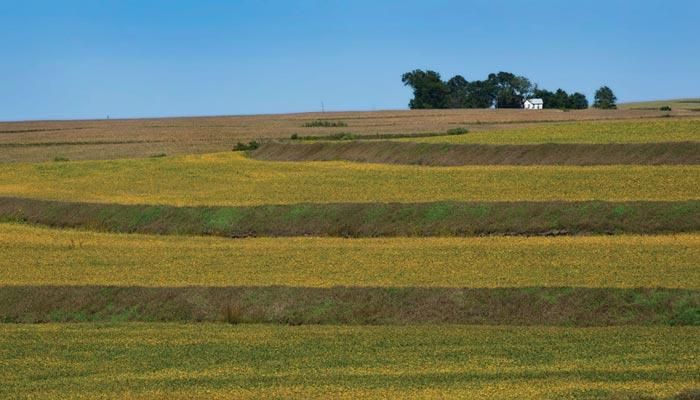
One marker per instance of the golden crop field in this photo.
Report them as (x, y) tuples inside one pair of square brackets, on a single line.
[(186, 360), (161, 360), (232, 179), (623, 131), (41, 256)]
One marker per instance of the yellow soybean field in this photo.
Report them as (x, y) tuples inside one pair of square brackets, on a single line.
[(232, 179), (252, 361), (554, 317), (40, 256), (623, 131)]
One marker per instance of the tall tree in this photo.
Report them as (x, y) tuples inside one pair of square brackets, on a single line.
[(560, 100), (481, 94), (605, 98), (458, 88), (546, 96), (429, 91), (510, 90), (578, 101)]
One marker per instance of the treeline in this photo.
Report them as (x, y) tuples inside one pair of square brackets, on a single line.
[(560, 99), (501, 90)]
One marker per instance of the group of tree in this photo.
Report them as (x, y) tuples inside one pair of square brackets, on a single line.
[(560, 99), (502, 90)]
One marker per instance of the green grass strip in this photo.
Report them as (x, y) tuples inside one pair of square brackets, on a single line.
[(365, 219), (447, 154), (555, 306)]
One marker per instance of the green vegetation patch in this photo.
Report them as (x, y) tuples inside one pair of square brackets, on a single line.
[(567, 306), (377, 136), (366, 219), (447, 154), (323, 123)]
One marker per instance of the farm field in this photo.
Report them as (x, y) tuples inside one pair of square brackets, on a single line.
[(367, 280), (675, 104), (41, 256), (621, 131), (129, 138), (194, 205), (250, 361), (232, 179)]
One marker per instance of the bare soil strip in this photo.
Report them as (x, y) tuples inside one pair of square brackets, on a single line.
[(352, 305), (389, 152)]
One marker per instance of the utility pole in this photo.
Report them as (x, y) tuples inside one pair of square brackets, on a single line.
[(323, 109)]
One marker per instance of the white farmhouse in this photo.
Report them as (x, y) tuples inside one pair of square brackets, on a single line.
[(533, 104)]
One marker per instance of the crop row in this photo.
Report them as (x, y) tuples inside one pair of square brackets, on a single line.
[(232, 179), (624, 131), (253, 361), (40, 256)]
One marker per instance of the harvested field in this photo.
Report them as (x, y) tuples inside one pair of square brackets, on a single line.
[(253, 361), (592, 132), (675, 104), (678, 153), (365, 219), (352, 305), (40, 256), (109, 139), (232, 179)]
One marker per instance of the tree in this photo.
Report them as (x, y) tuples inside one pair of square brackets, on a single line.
[(481, 94), (510, 90), (429, 91), (578, 101), (560, 99), (605, 98), (504, 89), (546, 96), (458, 88)]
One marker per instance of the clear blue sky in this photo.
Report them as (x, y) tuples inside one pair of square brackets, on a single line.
[(90, 59)]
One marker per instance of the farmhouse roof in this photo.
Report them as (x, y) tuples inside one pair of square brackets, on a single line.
[(535, 101)]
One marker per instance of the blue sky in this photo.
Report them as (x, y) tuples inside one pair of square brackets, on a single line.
[(90, 59)]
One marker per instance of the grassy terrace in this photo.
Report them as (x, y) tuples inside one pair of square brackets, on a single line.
[(524, 306), (38, 256), (364, 219), (232, 179), (449, 154), (623, 131), (253, 361)]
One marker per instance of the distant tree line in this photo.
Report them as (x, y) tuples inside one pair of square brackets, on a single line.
[(560, 99), (502, 90)]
